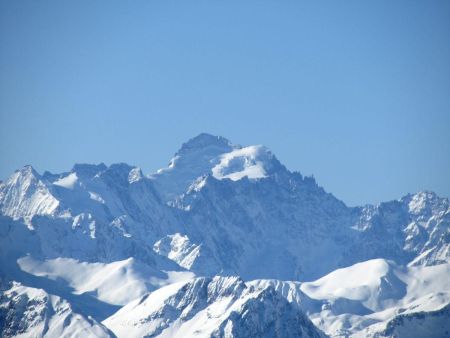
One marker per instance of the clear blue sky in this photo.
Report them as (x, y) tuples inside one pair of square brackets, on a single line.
[(355, 92)]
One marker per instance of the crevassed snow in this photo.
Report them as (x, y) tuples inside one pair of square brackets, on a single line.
[(68, 181), (239, 163)]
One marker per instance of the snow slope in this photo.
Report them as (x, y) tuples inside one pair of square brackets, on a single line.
[(245, 162), (115, 283), (366, 298)]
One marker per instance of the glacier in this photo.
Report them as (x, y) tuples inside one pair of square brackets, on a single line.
[(111, 246)]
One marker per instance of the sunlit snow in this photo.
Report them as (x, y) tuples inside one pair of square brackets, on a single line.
[(245, 162), (68, 181)]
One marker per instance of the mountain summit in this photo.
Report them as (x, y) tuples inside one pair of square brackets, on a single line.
[(211, 155), (203, 141)]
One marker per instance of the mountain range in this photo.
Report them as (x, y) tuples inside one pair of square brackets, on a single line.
[(224, 242)]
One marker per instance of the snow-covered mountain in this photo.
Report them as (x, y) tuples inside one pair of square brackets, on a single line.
[(212, 307), (100, 236), (364, 299), (29, 312)]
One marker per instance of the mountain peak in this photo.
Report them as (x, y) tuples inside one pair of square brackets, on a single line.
[(203, 141), (25, 174), (119, 173), (425, 200), (28, 170), (206, 155), (25, 194), (88, 170)]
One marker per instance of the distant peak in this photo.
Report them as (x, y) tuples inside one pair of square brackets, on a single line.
[(206, 155), (205, 140), (121, 173), (422, 200), (88, 170), (28, 170), (121, 167), (27, 173), (424, 195), (118, 170)]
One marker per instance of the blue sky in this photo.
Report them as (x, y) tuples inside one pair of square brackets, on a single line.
[(356, 92)]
